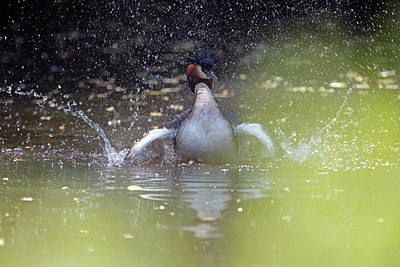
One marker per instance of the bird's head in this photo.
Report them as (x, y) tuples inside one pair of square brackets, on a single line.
[(200, 69)]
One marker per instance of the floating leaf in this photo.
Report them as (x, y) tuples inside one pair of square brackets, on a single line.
[(109, 86), (386, 81), (170, 90), (380, 220), (154, 93), (101, 95), (170, 80), (45, 118), (156, 114), (392, 86), (362, 93), (152, 82), (362, 86), (177, 107), (141, 74), (128, 235), (95, 81), (287, 218), (337, 85), (133, 187), (387, 73)]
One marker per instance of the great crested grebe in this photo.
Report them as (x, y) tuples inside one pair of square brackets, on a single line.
[(202, 132)]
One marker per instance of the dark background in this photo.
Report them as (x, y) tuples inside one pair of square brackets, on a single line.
[(44, 44)]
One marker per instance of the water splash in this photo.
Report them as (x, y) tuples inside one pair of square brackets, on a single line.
[(325, 130), (317, 145), (113, 156)]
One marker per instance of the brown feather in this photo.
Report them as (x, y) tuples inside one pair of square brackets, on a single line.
[(196, 75)]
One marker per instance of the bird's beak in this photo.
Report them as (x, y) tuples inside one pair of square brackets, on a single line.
[(211, 75)]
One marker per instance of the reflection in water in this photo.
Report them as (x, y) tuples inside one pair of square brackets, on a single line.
[(208, 193), (71, 211), (209, 196)]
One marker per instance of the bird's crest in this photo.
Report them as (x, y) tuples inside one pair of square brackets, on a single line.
[(206, 60)]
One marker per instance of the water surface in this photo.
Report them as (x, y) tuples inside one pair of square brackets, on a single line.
[(329, 101)]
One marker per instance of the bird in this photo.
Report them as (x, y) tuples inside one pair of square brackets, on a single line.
[(200, 69), (202, 133)]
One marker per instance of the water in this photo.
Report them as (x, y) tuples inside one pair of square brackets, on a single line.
[(114, 157), (79, 213), (317, 143), (331, 192), (326, 97)]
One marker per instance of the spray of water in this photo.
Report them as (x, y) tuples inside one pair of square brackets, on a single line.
[(113, 156), (317, 145)]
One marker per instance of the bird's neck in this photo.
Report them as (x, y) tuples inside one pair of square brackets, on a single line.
[(205, 100)]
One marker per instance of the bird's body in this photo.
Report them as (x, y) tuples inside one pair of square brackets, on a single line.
[(202, 132), (205, 135)]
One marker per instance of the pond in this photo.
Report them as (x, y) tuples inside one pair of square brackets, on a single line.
[(330, 102), (220, 215)]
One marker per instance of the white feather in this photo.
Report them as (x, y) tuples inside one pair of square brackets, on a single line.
[(256, 130), (148, 138)]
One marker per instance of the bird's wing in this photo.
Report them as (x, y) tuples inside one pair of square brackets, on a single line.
[(256, 130), (149, 138)]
